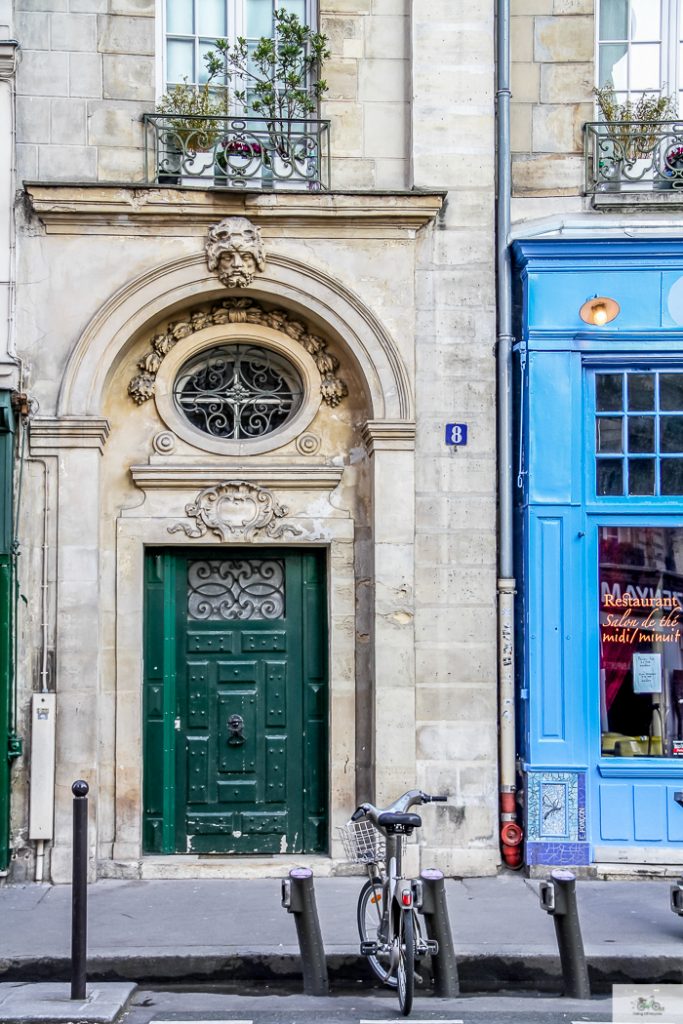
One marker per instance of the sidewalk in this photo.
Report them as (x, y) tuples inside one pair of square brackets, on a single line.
[(224, 931)]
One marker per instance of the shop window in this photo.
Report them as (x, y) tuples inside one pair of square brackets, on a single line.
[(193, 26), (641, 640), (640, 47), (639, 433)]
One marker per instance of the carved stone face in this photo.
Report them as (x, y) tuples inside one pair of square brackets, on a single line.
[(235, 251)]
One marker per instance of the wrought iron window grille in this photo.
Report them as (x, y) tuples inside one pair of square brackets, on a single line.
[(634, 156), (238, 392)]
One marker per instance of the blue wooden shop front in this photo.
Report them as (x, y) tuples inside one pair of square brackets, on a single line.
[(600, 551)]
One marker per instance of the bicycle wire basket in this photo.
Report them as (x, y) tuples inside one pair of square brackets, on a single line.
[(362, 842)]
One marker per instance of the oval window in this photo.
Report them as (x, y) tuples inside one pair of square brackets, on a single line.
[(238, 392)]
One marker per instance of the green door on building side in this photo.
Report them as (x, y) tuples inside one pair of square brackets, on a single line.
[(235, 702)]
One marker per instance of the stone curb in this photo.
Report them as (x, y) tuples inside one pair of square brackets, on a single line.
[(479, 972)]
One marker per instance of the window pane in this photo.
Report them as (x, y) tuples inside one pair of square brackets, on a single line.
[(671, 471), (614, 19), (641, 476), (671, 392), (641, 433), (645, 69), (206, 46), (297, 7), (179, 17), (180, 60), (641, 392), (211, 18), (641, 667), (609, 477), (608, 434), (645, 19), (608, 392), (614, 65), (671, 434), (259, 18)]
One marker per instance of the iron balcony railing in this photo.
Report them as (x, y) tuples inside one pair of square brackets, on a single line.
[(634, 156), (237, 152)]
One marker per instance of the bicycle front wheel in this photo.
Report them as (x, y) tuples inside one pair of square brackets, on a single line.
[(370, 912), (405, 968)]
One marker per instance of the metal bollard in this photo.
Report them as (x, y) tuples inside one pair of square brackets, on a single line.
[(79, 890), (435, 910), (676, 896), (558, 898), (298, 898)]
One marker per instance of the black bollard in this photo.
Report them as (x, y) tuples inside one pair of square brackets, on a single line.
[(298, 898), (435, 910), (79, 890), (558, 898)]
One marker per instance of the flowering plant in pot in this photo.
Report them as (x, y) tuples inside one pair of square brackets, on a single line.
[(671, 173)]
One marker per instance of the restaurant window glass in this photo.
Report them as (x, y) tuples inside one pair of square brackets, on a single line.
[(641, 640)]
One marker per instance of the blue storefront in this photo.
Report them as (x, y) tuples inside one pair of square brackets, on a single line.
[(600, 549)]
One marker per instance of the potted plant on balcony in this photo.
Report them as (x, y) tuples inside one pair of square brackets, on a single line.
[(670, 175), (279, 83), (628, 149), (188, 137)]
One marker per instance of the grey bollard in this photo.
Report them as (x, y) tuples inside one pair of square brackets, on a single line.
[(558, 898), (79, 890), (298, 898), (676, 896), (435, 911)]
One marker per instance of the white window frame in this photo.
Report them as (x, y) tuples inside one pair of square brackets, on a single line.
[(235, 10), (670, 81)]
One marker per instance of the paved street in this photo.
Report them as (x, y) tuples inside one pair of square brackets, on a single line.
[(155, 1007)]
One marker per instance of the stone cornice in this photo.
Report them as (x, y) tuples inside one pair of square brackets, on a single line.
[(389, 435), (289, 477), (136, 209), (49, 434)]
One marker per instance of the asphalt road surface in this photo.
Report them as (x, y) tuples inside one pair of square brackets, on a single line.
[(202, 1007)]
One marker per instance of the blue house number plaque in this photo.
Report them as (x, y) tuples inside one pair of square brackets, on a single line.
[(456, 433)]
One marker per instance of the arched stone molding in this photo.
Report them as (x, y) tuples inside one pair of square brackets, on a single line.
[(322, 300)]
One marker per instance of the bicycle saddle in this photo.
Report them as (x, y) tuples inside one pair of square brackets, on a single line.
[(388, 818)]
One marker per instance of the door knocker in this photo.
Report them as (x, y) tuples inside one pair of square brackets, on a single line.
[(235, 725)]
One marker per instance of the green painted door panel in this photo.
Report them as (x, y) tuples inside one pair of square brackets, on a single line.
[(244, 683)]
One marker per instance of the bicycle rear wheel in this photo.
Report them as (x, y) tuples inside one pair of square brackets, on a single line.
[(369, 915), (405, 968)]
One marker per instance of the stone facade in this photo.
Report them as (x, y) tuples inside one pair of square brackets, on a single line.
[(552, 94), (399, 284)]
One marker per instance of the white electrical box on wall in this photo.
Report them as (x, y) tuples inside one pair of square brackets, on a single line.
[(41, 807)]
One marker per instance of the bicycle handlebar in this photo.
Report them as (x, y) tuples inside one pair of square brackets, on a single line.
[(407, 800)]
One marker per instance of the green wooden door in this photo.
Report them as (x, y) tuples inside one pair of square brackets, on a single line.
[(235, 702)]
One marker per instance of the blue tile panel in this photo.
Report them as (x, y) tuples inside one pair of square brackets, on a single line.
[(565, 854), (556, 805)]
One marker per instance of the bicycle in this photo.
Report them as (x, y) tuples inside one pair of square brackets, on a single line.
[(388, 923)]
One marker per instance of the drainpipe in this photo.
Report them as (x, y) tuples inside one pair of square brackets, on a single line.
[(510, 832)]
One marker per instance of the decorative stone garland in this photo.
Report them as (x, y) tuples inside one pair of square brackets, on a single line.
[(238, 311)]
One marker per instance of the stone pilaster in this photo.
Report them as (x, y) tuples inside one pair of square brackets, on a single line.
[(391, 445)]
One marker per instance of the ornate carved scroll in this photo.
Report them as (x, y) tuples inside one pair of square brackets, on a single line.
[(236, 510)]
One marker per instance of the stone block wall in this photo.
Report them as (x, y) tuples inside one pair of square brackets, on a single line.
[(86, 77), (552, 47), (367, 101), (453, 146)]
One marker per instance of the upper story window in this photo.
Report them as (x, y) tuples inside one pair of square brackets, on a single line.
[(640, 47), (639, 433), (193, 26)]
